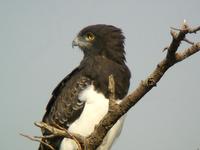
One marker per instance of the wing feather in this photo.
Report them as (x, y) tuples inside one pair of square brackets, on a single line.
[(59, 87), (64, 106)]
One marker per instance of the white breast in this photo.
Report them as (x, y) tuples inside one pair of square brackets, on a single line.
[(96, 107)]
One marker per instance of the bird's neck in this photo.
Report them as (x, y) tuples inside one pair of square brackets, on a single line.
[(90, 59)]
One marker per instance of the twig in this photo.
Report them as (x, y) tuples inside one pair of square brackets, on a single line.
[(176, 29), (189, 30), (45, 137), (111, 87), (60, 131), (37, 140), (188, 41), (165, 48), (194, 30)]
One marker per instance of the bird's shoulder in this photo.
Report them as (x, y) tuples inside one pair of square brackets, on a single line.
[(60, 86)]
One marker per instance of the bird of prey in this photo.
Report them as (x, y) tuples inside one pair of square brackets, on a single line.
[(81, 99)]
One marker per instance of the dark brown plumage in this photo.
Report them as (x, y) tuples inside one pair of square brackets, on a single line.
[(103, 48)]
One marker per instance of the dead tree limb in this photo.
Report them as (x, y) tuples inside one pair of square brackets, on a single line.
[(172, 57)]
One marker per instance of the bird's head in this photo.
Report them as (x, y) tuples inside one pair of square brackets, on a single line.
[(100, 39)]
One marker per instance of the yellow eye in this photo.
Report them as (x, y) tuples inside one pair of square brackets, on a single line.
[(89, 36)]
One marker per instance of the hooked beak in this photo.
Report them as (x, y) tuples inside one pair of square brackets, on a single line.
[(81, 43), (75, 42)]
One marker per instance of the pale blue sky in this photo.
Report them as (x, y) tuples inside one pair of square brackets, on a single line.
[(36, 53)]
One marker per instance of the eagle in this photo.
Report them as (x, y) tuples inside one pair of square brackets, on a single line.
[(81, 99)]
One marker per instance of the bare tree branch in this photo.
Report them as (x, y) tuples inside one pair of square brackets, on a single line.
[(95, 139), (37, 139), (194, 30), (55, 131), (188, 41), (59, 131)]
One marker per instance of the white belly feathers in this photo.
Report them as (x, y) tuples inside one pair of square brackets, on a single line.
[(96, 107)]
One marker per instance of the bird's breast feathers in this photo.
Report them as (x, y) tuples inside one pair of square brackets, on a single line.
[(96, 106)]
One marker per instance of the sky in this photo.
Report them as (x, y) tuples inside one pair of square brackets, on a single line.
[(36, 53)]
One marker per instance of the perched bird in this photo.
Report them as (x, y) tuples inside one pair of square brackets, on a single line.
[(81, 99)]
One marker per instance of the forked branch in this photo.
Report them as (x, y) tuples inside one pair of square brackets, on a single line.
[(146, 85)]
